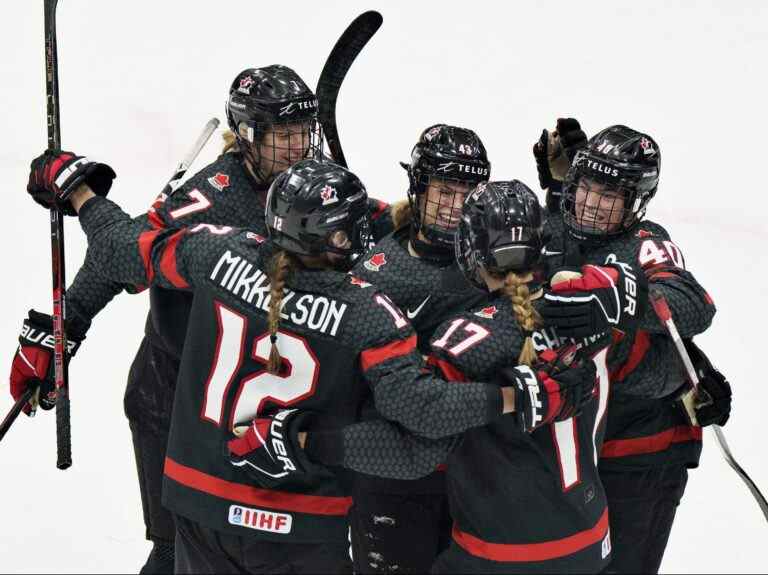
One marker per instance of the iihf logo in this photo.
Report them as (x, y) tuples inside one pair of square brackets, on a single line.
[(328, 194), (375, 262)]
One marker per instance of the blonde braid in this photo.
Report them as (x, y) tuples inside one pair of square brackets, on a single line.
[(230, 142), (280, 268), (401, 213), (516, 289)]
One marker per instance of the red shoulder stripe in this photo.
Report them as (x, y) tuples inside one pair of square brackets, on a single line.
[(168, 261), (269, 498), (376, 355), (146, 239)]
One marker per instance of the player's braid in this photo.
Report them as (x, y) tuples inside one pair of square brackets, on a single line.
[(516, 289), (401, 214), (279, 269), (230, 142)]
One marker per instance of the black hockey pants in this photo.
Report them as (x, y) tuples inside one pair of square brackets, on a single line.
[(641, 509), (148, 405)]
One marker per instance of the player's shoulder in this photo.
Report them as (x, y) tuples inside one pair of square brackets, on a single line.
[(479, 340), (222, 176)]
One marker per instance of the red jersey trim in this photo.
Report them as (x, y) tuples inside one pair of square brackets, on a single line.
[(155, 220), (528, 552), (168, 261), (639, 348), (381, 207), (272, 499), (374, 356), (650, 443), (146, 239), (449, 371)]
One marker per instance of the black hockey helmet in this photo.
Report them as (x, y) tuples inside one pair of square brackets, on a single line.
[(500, 231), (317, 206), (271, 98), (454, 159), (626, 164)]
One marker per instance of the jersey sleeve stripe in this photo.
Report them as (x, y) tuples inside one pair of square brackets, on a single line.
[(650, 443), (447, 369), (270, 498), (528, 552), (640, 347), (146, 239), (376, 355), (168, 261), (155, 220)]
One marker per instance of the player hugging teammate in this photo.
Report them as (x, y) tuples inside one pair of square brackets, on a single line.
[(515, 404)]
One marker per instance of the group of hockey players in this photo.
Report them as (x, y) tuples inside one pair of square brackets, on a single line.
[(464, 381)]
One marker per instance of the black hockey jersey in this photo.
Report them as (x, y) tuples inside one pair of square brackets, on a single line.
[(222, 193), (645, 426), (521, 502), (337, 331)]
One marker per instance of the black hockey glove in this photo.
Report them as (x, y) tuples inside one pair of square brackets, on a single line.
[(713, 400), (553, 389), (268, 449), (597, 298), (33, 363), (555, 151), (55, 174)]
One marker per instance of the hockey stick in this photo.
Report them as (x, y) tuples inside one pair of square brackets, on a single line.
[(16, 410), (181, 169), (689, 399), (63, 432), (339, 61)]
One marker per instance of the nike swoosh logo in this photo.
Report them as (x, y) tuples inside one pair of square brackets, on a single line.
[(414, 313), (546, 252)]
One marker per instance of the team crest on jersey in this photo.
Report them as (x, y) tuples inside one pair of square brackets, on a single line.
[(375, 262), (255, 237), (355, 281), (328, 194), (245, 85), (487, 312), (219, 181)]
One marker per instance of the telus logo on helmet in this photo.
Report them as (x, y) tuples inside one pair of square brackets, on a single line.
[(464, 168), (601, 168), (289, 109)]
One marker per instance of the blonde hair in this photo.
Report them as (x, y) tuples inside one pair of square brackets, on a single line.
[(401, 213), (516, 289), (230, 142), (280, 267)]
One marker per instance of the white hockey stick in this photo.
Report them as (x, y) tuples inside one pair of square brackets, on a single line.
[(689, 399), (181, 169)]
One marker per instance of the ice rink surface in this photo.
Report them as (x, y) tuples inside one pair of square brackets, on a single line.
[(139, 79)]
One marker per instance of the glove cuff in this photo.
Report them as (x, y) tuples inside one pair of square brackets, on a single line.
[(37, 330)]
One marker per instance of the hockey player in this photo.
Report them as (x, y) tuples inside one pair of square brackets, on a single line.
[(403, 525), (272, 115), (650, 444), (524, 491), (272, 324)]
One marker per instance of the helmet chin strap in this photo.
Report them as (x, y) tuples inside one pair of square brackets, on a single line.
[(427, 250)]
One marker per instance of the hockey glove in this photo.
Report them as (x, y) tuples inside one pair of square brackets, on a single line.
[(55, 174), (555, 151), (268, 449), (595, 299), (33, 365), (553, 389), (713, 399)]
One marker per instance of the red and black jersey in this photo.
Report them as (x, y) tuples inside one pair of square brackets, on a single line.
[(645, 426), (341, 340), (523, 502), (222, 193)]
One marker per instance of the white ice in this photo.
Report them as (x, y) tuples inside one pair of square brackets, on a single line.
[(139, 79)]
